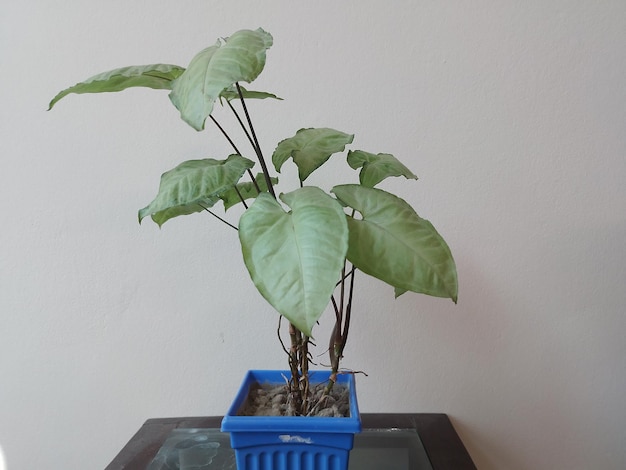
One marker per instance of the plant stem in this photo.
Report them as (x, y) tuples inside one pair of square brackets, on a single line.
[(294, 384), (257, 147), (230, 141), (280, 319), (304, 368), (218, 217), (243, 126), (346, 325), (256, 185), (342, 289), (335, 336), (339, 335), (241, 198)]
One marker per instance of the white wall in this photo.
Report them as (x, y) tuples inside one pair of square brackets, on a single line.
[(512, 114)]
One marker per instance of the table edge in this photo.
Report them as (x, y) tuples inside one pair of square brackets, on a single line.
[(441, 442)]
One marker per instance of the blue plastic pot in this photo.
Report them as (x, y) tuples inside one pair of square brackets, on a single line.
[(291, 442)]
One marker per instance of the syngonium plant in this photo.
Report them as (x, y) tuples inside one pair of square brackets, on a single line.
[(301, 248)]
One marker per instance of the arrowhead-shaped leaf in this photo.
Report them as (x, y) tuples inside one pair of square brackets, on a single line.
[(310, 148), (231, 93), (193, 186), (157, 76), (392, 243), (247, 190), (377, 167), (241, 57), (295, 258)]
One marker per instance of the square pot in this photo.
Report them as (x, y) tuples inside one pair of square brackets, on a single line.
[(291, 442)]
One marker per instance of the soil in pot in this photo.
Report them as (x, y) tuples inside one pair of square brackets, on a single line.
[(275, 400)]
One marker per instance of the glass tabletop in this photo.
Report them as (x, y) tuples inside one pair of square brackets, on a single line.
[(209, 449)]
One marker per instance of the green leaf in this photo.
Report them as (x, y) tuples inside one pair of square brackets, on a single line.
[(240, 57), (295, 258), (193, 186), (398, 291), (247, 190), (310, 148), (392, 243), (231, 93), (377, 167), (157, 76), (198, 205)]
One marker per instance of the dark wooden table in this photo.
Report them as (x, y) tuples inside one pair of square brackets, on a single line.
[(441, 442)]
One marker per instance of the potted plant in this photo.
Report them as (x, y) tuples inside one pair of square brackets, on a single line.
[(302, 248)]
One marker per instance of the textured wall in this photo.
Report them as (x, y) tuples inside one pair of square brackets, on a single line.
[(511, 113)]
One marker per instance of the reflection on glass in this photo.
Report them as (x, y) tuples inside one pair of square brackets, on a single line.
[(209, 449)]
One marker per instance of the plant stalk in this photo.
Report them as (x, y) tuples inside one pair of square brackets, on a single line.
[(339, 335), (294, 383), (218, 217), (225, 134), (257, 147)]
